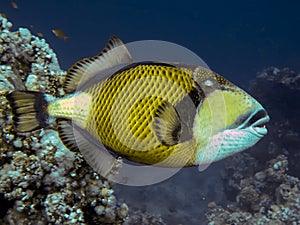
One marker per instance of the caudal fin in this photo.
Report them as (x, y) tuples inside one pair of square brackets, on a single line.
[(29, 110)]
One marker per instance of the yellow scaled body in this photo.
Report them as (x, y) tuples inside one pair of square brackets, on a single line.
[(121, 110)]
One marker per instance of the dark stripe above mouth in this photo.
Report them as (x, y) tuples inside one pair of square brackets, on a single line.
[(256, 118)]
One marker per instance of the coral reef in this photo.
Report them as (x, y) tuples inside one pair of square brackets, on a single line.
[(279, 91), (270, 196), (41, 181), (138, 217), (284, 77)]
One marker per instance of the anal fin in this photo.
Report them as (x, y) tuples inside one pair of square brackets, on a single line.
[(92, 150), (66, 134)]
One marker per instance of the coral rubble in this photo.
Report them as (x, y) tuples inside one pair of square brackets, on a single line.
[(279, 92), (270, 196), (41, 181)]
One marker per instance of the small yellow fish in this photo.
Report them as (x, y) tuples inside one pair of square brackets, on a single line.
[(60, 34), (167, 114), (40, 34), (3, 15), (14, 4)]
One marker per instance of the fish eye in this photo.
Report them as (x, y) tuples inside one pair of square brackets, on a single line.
[(208, 83)]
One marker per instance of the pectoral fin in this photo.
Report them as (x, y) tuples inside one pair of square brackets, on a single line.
[(167, 124)]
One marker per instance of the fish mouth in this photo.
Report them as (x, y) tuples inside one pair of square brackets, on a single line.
[(257, 122), (260, 126)]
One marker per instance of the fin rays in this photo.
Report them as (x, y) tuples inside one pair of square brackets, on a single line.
[(97, 156), (29, 110), (114, 53), (167, 124)]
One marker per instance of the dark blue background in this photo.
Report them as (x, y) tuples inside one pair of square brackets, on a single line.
[(235, 38)]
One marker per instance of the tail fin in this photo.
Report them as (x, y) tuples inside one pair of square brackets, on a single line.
[(29, 110)]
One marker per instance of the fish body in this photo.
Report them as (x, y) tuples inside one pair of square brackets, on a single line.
[(126, 105), (157, 113), (14, 4), (60, 34), (40, 34)]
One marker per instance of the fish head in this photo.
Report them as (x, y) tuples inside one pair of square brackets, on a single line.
[(228, 120)]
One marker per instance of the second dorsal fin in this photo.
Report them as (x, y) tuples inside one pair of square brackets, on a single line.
[(114, 53)]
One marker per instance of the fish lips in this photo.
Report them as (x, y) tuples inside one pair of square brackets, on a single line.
[(259, 126)]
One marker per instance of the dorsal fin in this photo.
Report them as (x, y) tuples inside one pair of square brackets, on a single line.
[(114, 53), (167, 124)]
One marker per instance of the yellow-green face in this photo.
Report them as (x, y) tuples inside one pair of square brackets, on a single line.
[(228, 121)]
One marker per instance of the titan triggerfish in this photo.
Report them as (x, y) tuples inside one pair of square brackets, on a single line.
[(167, 114)]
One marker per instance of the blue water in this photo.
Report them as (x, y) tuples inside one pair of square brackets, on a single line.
[(235, 38)]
